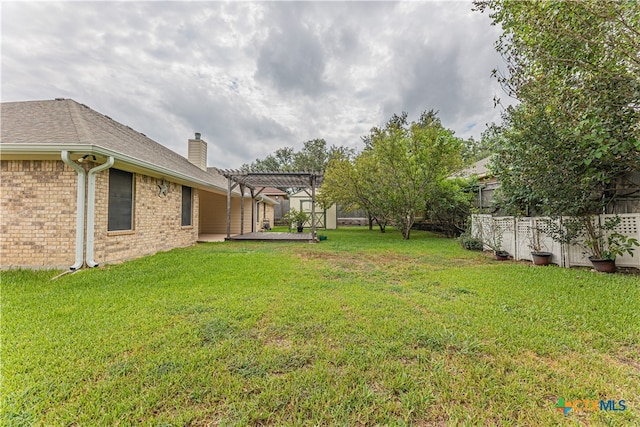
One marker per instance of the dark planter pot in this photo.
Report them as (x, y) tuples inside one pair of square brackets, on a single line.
[(502, 255), (541, 258), (300, 229), (603, 265)]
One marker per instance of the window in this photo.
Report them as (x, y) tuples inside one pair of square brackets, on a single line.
[(186, 206), (120, 200)]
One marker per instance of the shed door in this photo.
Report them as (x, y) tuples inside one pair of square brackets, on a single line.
[(321, 216)]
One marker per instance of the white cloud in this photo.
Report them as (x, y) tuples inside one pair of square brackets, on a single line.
[(254, 77)]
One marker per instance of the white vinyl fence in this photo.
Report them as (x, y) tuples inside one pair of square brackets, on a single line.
[(517, 234)]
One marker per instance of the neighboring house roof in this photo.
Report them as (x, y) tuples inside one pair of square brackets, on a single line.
[(479, 169), (270, 191), (64, 124)]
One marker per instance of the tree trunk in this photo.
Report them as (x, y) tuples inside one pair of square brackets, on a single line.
[(406, 225)]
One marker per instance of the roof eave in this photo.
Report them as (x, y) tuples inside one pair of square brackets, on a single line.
[(268, 200), (26, 149)]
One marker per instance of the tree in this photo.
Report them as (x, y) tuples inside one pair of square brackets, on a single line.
[(451, 204), (575, 67), (399, 170), (313, 157), (473, 150), (350, 181)]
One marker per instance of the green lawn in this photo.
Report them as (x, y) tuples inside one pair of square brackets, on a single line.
[(361, 329)]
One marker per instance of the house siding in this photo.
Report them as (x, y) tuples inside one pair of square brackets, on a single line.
[(236, 207), (37, 214), (213, 213), (262, 215), (157, 221)]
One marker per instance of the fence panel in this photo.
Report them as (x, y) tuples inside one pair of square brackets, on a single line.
[(517, 235), (507, 225), (543, 227), (480, 224), (576, 256), (530, 230), (524, 228)]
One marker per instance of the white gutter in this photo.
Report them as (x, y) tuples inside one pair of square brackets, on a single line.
[(79, 210), (91, 203), (267, 199)]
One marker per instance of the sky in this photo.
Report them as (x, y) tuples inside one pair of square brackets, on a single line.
[(253, 77)]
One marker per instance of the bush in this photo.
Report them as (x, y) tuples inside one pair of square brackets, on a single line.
[(470, 243)]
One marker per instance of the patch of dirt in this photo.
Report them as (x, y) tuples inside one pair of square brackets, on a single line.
[(630, 362), (627, 355), (353, 261), (278, 342), (629, 271)]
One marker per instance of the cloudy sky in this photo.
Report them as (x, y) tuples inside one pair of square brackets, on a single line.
[(255, 76)]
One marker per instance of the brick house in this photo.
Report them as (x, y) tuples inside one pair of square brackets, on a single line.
[(80, 188)]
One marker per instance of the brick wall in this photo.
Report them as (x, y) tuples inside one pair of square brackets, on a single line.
[(37, 214), (38, 217), (157, 221)]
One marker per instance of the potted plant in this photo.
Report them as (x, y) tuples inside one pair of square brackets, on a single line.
[(536, 245), (601, 243), (297, 219), (604, 244)]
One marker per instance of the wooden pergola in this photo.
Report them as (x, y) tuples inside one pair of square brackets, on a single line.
[(253, 181)]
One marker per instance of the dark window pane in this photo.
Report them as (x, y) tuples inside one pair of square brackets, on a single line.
[(120, 200), (186, 205)]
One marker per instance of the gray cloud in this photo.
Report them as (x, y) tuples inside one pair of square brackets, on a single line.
[(292, 57), (253, 77)]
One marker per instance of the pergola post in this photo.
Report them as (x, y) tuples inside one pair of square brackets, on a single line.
[(313, 207), (241, 209), (229, 208), (253, 210)]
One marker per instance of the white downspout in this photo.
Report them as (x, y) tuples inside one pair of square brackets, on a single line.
[(79, 209), (91, 204)]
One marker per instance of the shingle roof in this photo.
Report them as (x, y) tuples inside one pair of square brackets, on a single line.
[(66, 122), (270, 191), (479, 169)]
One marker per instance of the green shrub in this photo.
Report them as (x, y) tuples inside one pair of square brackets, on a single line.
[(469, 242)]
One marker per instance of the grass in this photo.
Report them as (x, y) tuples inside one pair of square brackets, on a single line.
[(361, 329)]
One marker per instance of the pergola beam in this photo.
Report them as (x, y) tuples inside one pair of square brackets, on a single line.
[(254, 180)]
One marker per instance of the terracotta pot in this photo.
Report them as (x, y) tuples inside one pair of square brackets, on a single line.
[(541, 258), (502, 255), (603, 265)]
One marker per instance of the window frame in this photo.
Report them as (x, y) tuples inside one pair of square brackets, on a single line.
[(190, 207), (114, 224)]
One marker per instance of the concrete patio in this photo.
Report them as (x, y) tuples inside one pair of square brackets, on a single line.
[(273, 236)]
